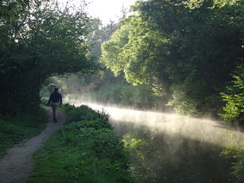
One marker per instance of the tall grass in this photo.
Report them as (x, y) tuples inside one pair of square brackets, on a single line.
[(85, 150), (15, 129)]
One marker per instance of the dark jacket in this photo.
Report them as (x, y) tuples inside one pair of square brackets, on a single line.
[(55, 97)]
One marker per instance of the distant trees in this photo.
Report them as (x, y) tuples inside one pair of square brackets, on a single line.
[(37, 42), (179, 49)]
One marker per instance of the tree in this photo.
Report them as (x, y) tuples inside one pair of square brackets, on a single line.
[(43, 41), (186, 52), (234, 97), (11, 9), (198, 3)]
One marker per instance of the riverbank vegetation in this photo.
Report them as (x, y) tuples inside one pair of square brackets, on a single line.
[(85, 150), (16, 129), (186, 54)]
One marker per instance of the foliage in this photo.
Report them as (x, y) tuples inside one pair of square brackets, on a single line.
[(234, 97), (12, 9), (83, 112), (14, 130), (108, 93), (76, 85), (169, 46), (235, 151), (125, 95), (183, 104), (83, 151), (109, 90), (41, 41), (198, 3)]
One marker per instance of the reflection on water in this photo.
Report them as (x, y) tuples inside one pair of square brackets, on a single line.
[(171, 148)]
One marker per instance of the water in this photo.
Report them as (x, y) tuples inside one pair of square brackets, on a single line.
[(172, 148), (204, 130)]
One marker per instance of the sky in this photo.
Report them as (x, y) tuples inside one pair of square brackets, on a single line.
[(106, 10)]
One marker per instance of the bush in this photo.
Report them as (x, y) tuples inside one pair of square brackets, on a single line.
[(82, 113), (85, 150), (234, 98)]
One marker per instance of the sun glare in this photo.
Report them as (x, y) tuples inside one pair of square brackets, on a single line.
[(106, 10)]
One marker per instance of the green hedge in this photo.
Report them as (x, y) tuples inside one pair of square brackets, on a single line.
[(85, 150)]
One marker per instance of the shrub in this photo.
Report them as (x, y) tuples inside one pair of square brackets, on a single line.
[(82, 112), (85, 150), (234, 97)]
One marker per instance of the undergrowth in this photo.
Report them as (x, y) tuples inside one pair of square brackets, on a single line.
[(15, 129), (85, 150)]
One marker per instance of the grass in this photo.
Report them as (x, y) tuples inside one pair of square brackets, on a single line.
[(85, 150), (16, 129)]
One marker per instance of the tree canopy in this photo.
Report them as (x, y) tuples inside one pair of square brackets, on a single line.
[(187, 52), (40, 41)]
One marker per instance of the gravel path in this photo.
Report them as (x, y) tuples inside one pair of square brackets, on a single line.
[(16, 166)]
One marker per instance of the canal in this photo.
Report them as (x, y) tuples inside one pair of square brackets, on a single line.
[(167, 148)]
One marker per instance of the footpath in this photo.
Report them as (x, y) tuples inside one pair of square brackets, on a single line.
[(17, 164)]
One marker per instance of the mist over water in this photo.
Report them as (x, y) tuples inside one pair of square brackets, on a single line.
[(167, 148), (204, 130)]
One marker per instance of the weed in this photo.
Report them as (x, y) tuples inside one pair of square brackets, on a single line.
[(85, 150), (15, 129)]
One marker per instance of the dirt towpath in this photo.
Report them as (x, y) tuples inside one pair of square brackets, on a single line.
[(17, 165)]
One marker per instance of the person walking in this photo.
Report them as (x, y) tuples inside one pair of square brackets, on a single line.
[(56, 100)]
